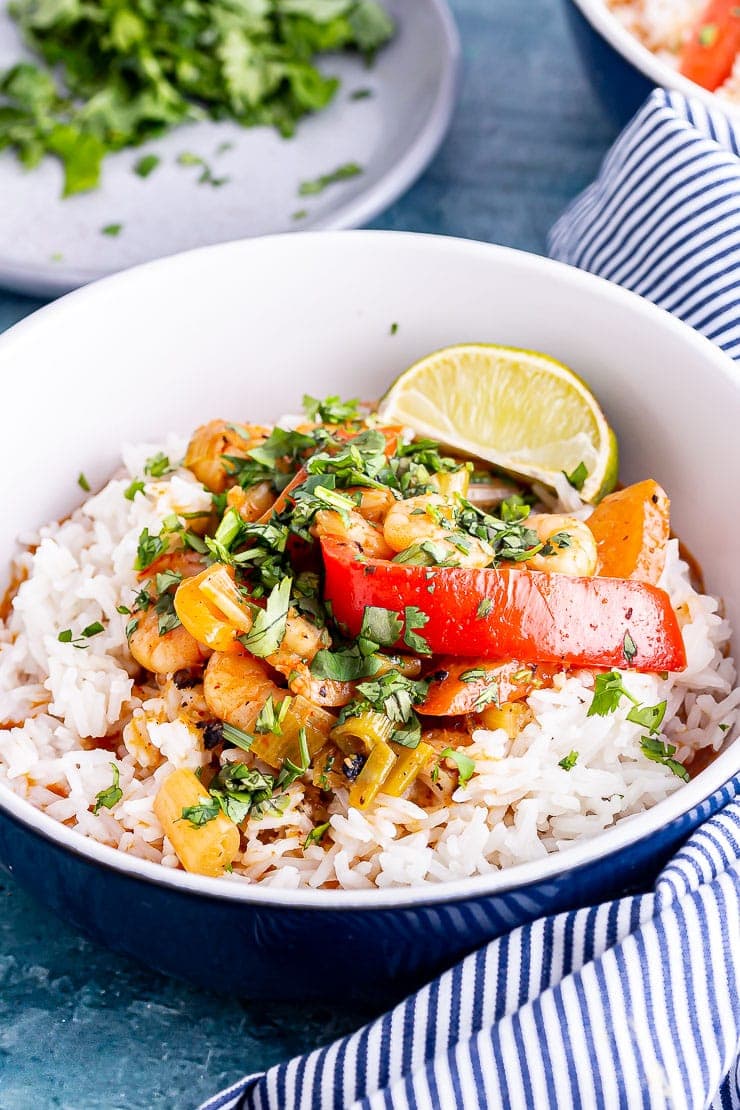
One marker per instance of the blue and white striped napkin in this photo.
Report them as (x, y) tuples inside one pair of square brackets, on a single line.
[(635, 1003), (663, 216)]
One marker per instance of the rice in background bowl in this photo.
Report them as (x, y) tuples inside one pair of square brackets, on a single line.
[(630, 47)]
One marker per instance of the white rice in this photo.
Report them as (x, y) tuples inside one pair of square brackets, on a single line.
[(664, 26), (58, 700)]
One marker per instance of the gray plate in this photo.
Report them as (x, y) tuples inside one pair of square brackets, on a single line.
[(49, 245)]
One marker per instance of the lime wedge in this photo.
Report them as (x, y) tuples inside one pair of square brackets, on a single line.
[(522, 411)]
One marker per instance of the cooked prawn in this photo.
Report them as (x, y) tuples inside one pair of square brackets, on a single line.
[(432, 517), (253, 503), (175, 650), (572, 542), (367, 536), (236, 688), (209, 444)]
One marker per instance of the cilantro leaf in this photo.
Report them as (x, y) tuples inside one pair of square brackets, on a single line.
[(331, 410), (136, 487), (608, 692), (111, 796), (381, 626), (465, 765), (659, 751), (569, 761), (414, 619), (149, 548), (346, 665), (146, 165), (578, 477), (318, 184), (268, 630), (629, 647), (316, 835), (201, 814), (648, 716)]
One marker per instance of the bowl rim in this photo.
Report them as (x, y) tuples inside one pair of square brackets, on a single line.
[(37, 279), (603, 20), (625, 833)]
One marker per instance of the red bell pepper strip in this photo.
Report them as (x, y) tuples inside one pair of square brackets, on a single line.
[(709, 55), (511, 612), (459, 687)]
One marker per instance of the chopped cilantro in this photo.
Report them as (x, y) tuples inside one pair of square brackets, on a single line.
[(112, 230), (206, 175), (381, 626), (332, 410), (569, 761), (489, 696), (316, 835), (271, 716), (66, 636), (578, 477), (236, 736), (300, 214), (201, 814), (629, 647), (361, 94), (465, 765), (158, 465), (608, 692), (346, 665), (394, 329), (484, 608), (111, 796), (318, 184), (659, 751), (413, 620), (149, 548), (268, 630), (146, 165), (136, 487), (115, 75), (648, 716), (83, 483)]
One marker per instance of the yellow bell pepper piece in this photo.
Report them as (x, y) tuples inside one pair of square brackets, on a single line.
[(274, 749), (372, 776), (200, 616), (218, 586), (362, 733), (450, 482), (511, 717), (409, 763), (207, 849)]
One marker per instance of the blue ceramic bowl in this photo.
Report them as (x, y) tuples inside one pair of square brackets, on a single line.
[(621, 70), (248, 327)]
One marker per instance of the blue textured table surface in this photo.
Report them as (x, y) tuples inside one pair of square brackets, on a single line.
[(83, 1028)]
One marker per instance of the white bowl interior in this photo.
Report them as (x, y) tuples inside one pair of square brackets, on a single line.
[(243, 330), (606, 23)]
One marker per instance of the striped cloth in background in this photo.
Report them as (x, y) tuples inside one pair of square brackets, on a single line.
[(635, 1003), (663, 216)]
